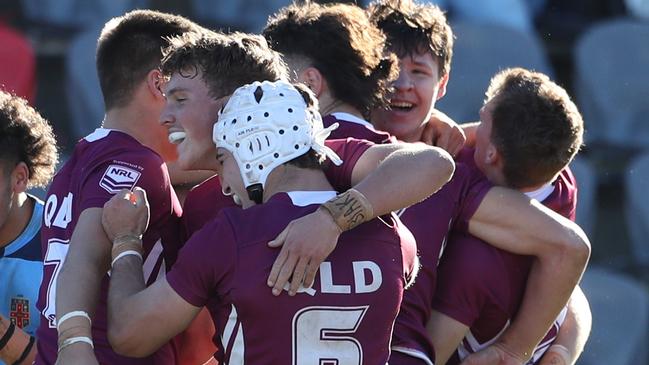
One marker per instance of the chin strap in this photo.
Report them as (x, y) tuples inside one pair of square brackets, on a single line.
[(256, 193)]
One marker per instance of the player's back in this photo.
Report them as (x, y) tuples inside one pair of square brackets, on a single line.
[(345, 318), (102, 164)]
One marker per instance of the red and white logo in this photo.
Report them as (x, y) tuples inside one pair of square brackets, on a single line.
[(19, 312)]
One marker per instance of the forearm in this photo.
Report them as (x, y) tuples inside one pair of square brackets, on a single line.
[(406, 177), (469, 131), (128, 332), (574, 332), (16, 346)]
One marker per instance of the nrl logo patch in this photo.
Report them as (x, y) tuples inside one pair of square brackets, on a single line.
[(19, 312), (118, 177)]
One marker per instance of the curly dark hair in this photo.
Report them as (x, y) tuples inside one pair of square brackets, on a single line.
[(225, 62), (536, 127), (25, 136), (341, 42), (129, 47), (415, 28)]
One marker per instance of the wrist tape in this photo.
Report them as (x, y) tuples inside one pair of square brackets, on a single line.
[(74, 327), (349, 209), (125, 246)]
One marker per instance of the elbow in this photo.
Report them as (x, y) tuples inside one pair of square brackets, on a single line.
[(124, 340), (443, 167), (576, 247)]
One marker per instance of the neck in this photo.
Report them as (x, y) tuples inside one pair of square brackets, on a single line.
[(290, 178), (329, 105), (20, 212), (125, 120)]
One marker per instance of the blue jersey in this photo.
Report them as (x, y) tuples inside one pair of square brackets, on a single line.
[(21, 266)]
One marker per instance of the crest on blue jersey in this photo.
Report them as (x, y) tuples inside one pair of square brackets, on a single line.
[(19, 312)]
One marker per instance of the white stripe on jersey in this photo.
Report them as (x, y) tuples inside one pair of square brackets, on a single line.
[(413, 353), (238, 348), (151, 260)]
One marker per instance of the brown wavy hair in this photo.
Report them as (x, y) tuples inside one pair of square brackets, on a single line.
[(341, 42), (536, 127), (225, 62), (415, 28), (25, 136)]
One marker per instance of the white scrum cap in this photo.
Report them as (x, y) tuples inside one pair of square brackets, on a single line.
[(264, 125)]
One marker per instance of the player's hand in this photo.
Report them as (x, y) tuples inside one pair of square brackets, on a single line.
[(305, 242), (557, 355), (443, 132), (126, 213), (495, 354)]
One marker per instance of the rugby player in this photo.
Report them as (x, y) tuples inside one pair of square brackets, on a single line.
[(28, 157)]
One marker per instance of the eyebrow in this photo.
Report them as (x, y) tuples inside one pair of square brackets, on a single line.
[(176, 90)]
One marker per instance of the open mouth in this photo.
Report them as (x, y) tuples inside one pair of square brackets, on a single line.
[(176, 137), (401, 106)]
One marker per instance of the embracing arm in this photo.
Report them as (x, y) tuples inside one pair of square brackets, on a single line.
[(512, 222), (573, 333), (446, 335), (389, 177), (87, 258), (140, 320)]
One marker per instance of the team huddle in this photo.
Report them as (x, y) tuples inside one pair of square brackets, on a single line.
[(294, 197)]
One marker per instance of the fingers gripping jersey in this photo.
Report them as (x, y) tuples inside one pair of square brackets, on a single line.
[(102, 164), (345, 318)]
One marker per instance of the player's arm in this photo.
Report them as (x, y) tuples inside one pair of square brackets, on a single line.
[(16, 346), (78, 285), (385, 178), (140, 319), (469, 130), (573, 333), (446, 334), (512, 222)]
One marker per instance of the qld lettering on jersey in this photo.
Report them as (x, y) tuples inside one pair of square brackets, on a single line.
[(118, 177), (367, 279)]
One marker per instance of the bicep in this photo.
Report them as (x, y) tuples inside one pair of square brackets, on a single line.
[(509, 220), (371, 159), (446, 334)]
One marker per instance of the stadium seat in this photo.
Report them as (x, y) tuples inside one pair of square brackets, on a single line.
[(480, 51), (620, 308), (637, 209), (611, 61), (587, 194)]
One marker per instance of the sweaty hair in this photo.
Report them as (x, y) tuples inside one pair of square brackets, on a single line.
[(339, 41), (224, 62), (413, 28), (129, 47), (535, 126), (25, 136)]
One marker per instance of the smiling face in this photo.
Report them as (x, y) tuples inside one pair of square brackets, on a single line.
[(416, 90), (189, 115)]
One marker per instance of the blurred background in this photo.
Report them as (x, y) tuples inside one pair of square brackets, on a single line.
[(597, 49)]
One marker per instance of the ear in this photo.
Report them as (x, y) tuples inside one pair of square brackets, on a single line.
[(441, 86), (154, 82), (19, 178), (312, 77), (492, 156)]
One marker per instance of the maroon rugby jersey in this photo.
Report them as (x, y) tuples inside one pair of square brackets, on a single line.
[(204, 201), (482, 286), (103, 163), (345, 318), (352, 126), (430, 222)]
